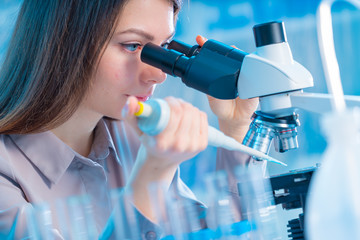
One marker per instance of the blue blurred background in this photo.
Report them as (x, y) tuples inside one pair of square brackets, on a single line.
[(231, 22)]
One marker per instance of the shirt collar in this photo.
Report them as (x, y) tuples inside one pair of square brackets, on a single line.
[(102, 142), (47, 152), (52, 156)]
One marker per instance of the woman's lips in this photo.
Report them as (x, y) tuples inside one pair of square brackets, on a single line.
[(142, 98)]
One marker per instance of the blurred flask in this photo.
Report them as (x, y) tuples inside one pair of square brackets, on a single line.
[(221, 208), (39, 220), (126, 225), (179, 217), (257, 205), (75, 218), (333, 205)]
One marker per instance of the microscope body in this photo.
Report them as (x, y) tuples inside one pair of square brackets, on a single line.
[(271, 74)]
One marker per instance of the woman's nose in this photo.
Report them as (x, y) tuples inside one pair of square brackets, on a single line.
[(153, 75)]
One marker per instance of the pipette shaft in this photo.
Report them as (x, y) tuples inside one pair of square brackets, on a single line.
[(153, 117)]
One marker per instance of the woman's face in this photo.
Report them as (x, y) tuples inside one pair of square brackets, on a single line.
[(120, 72)]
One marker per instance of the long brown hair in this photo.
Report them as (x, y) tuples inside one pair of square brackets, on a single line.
[(53, 52)]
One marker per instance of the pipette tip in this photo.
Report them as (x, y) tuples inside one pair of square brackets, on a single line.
[(273, 160)]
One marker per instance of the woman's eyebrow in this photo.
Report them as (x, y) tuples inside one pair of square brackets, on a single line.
[(142, 33), (138, 32)]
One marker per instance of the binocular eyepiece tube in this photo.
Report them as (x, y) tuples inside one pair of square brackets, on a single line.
[(213, 68)]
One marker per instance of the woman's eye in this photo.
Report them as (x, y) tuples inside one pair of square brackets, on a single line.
[(131, 47)]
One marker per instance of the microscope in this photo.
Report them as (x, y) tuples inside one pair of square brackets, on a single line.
[(225, 72), (270, 73)]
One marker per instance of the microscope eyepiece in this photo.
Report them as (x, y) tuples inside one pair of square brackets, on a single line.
[(269, 33), (167, 60), (184, 48)]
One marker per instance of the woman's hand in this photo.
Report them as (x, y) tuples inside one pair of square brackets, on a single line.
[(184, 136), (234, 115), (159, 156)]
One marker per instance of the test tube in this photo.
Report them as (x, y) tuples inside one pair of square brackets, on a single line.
[(178, 217), (164, 210), (257, 203), (39, 220), (76, 218), (126, 225), (221, 215)]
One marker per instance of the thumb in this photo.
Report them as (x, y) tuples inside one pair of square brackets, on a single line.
[(128, 113)]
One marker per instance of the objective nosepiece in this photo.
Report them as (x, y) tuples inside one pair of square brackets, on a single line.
[(264, 129)]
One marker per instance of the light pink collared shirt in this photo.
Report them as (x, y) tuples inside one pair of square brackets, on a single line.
[(38, 168)]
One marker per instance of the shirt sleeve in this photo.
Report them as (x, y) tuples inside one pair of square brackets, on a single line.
[(15, 211)]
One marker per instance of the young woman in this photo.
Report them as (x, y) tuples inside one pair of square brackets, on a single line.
[(69, 87)]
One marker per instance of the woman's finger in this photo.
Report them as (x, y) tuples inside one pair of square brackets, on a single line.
[(128, 113), (200, 40)]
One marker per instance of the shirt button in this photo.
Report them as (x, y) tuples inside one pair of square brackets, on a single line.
[(150, 235)]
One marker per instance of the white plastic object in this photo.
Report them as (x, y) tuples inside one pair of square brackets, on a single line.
[(333, 209), (156, 119), (327, 51)]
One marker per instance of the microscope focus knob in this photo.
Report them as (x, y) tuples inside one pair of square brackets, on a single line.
[(269, 33)]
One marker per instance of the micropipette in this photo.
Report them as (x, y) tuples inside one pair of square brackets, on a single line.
[(153, 117)]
